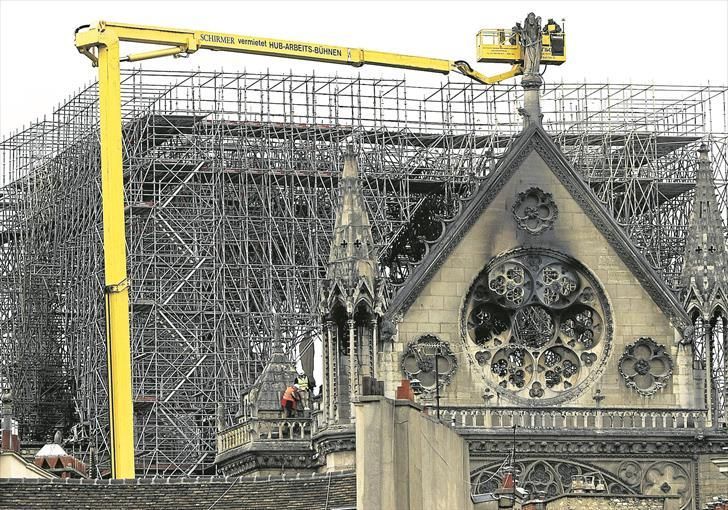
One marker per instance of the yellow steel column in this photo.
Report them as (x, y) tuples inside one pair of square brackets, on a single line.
[(117, 289)]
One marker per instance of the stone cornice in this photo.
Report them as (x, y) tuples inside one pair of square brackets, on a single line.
[(605, 443)]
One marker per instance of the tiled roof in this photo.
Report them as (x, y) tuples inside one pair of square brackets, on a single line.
[(316, 492)]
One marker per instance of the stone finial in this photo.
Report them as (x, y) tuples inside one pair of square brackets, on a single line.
[(7, 409), (7, 397), (531, 47)]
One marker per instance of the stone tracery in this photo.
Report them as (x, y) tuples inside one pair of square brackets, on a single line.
[(541, 324), (429, 360), (554, 477), (535, 211), (645, 366)]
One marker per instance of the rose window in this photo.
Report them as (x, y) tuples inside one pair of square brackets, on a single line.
[(645, 366), (539, 325), (428, 360)]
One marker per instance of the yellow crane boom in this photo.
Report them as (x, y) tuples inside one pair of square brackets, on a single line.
[(101, 44), (184, 42)]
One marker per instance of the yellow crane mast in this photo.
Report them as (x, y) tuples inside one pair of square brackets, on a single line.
[(101, 44)]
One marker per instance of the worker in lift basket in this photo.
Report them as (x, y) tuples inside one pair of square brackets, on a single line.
[(305, 384), (515, 33), (290, 400)]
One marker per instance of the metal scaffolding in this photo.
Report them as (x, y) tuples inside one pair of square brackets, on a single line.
[(230, 179)]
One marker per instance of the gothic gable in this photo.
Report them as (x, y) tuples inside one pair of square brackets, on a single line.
[(542, 299), (535, 139)]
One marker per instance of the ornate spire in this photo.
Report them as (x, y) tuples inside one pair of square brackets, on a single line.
[(706, 259), (352, 258)]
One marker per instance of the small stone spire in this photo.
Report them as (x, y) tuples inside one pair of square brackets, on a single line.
[(706, 258), (352, 258)]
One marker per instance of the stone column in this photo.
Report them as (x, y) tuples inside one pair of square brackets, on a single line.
[(324, 382), (329, 383), (709, 369), (333, 379), (353, 379), (375, 346), (531, 104), (725, 369)]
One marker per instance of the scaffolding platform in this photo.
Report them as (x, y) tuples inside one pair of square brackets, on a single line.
[(230, 184)]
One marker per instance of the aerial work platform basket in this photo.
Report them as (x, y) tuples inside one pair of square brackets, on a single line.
[(503, 46)]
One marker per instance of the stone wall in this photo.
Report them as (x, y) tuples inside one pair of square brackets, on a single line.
[(711, 481), (437, 310), (13, 465), (599, 502), (408, 461)]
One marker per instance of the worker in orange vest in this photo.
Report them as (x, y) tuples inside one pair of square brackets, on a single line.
[(290, 399)]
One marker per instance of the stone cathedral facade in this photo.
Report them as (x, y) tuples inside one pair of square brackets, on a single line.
[(535, 326)]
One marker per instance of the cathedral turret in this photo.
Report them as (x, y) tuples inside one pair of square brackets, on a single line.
[(704, 286), (351, 304), (703, 276)]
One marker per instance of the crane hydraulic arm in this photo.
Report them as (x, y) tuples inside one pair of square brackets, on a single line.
[(101, 44), (184, 42)]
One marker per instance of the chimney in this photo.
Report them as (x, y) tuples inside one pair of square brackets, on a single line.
[(404, 391), (9, 426), (506, 493)]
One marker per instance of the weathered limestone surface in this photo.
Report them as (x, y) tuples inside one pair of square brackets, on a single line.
[(438, 308), (711, 481), (408, 461), (596, 502)]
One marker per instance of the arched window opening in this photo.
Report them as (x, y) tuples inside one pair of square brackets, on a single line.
[(699, 332)]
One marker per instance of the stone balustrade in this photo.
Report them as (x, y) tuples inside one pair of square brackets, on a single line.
[(255, 429), (574, 418), (318, 421)]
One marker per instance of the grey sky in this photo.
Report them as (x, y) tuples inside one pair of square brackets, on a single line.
[(670, 42)]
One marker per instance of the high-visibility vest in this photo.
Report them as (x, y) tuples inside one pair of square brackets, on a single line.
[(302, 381)]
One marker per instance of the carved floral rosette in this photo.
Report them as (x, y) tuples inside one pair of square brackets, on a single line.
[(645, 366), (426, 357), (535, 211), (539, 325)]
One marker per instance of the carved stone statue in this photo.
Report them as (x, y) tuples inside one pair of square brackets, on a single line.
[(531, 42), (220, 418)]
